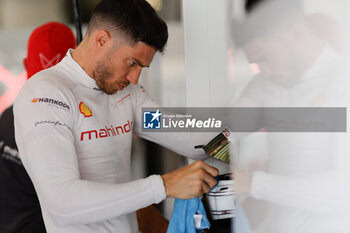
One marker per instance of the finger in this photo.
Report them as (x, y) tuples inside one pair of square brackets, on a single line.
[(209, 169), (209, 180), (205, 188)]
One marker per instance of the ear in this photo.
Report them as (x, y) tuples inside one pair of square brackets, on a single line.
[(25, 63), (103, 39)]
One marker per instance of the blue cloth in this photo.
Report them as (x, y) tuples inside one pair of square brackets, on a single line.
[(182, 219)]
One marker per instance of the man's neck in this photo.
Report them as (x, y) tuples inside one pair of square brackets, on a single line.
[(83, 58)]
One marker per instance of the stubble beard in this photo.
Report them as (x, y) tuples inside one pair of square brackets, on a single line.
[(100, 75)]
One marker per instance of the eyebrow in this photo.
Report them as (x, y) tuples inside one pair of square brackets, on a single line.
[(139, 63)]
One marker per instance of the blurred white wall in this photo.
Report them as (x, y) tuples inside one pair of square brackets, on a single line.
[(207, 42)]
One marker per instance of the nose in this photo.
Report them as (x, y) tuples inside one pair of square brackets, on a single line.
[(134, 75)]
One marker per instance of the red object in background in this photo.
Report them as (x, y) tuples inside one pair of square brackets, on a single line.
[(14, 85), (47, 45)]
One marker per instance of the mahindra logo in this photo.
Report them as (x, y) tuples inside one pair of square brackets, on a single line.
[(106, 132), (46, 62)]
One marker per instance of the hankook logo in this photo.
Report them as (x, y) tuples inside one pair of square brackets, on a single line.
[(106, 132), (51, 101)]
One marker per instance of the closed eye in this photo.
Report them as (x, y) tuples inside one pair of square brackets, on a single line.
[(133, 63)]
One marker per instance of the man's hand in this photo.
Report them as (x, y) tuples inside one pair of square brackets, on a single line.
[(190, 181)]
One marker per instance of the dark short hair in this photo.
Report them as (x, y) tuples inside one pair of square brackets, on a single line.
[(135, 18)]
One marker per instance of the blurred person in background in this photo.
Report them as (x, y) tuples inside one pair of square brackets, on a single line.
[(305, 180), (20, 209), (74, 125)]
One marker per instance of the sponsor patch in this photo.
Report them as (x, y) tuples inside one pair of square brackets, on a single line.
[(50, 122), (50, 101), (47, 62), (143, 89), (111, 131), (121, 100), (85, 110), (9, 153)]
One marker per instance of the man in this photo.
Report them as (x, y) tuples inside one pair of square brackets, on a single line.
[(20, 209), (75, 140), (305, 181)]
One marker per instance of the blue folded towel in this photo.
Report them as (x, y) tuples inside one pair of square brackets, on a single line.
[(182, 219)]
